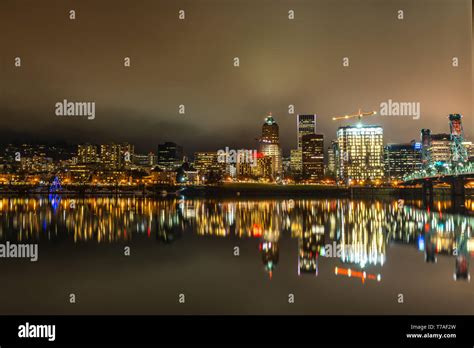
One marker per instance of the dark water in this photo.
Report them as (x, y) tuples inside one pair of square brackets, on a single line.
[(235, 256)]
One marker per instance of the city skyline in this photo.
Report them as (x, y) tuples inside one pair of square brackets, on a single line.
[(357, 156), (168, 164)]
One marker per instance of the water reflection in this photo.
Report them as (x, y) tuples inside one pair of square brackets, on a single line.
[(357, 233)]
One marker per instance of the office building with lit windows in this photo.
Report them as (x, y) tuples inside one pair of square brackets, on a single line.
[(296, 161), (331, 159), (306, 124), (87, 153), (114, 156), (401, 159), (360, 154), (440, 148), (270, 145), (313, 156), (207, 162)]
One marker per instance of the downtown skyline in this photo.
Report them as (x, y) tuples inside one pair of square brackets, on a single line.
[(186, 168), (357, 154)]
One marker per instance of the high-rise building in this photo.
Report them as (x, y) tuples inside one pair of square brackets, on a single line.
[(306, 124), (111, 155), (402, 159), (331, 164), (286, 164), (115, 156), (360, 154), (270, 131), (270, 145), (425, 147), (313, 156), (170, 156), (440, 148), (87, 153), (207, 162), (296, 161), (263, 169)]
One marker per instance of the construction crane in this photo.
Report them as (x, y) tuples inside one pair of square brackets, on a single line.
[(359, 115)]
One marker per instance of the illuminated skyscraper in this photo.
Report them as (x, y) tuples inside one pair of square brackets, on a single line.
[(270, 131), (360, 153), (306, 124), (270, 146), (313, 156)]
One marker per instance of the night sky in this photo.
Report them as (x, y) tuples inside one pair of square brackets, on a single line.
[(190, 62)]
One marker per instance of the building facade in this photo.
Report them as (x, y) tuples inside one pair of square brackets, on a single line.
[(313, 156), (296, 162), (87, 153), (114, 156), (207, 162), (305, 124), (360, 154), (440, 148), (270, 145), (402, 159), (170, 156)]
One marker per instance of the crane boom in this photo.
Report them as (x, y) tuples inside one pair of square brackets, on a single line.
[(359, 115)]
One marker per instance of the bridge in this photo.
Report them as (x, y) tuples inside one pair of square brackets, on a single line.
[(455, 172)]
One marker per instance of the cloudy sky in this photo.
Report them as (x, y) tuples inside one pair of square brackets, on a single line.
[(190, 62)]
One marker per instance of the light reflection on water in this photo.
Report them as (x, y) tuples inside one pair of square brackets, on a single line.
[(360, 230)]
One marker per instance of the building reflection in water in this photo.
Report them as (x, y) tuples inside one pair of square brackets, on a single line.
[(311, 246), (361, 230)]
